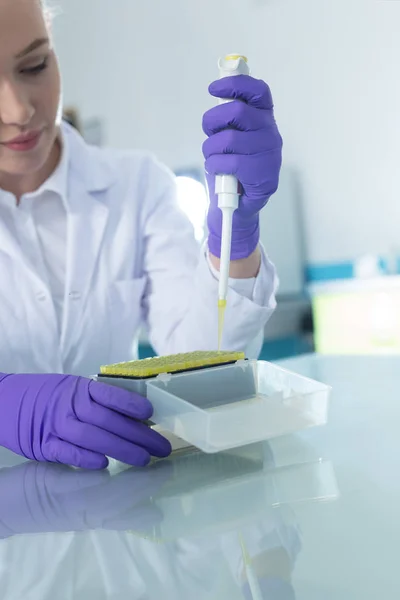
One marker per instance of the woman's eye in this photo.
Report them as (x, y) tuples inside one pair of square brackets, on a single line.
[(36, 69)]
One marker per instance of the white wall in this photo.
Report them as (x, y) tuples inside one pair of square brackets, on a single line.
[(334, 68)]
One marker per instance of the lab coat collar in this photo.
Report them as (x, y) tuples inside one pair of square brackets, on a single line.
[(58, 180), (87, 163)]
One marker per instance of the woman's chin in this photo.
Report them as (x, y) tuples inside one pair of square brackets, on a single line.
[(40, 160)]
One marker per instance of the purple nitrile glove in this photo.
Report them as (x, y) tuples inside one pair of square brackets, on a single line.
[(76, 421), (243, 141)]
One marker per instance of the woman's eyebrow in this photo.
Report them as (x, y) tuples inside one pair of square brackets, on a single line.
[(33, 46)]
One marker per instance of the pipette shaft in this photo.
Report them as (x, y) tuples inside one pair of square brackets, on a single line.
[(227, 189)]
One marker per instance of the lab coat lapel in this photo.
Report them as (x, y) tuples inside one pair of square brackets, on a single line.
[(9, 244), (11, 248), (87, 218), (85, 235)]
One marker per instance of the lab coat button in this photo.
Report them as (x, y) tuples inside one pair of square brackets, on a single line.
[(41, 296), (75, 295)]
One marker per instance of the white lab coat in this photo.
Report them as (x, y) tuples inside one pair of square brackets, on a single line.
[(131, 259)]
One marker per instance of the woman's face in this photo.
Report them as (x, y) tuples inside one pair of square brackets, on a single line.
[(29, 90)]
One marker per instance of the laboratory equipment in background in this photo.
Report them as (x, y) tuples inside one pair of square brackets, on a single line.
[(91, 129), (357, 316), (356, 306), (72, 116)]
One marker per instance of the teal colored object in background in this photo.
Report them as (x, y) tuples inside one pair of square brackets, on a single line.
[(329, 272), (271, 350), (318, 273)]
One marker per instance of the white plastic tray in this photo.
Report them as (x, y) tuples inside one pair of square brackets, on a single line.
[(235, 405)]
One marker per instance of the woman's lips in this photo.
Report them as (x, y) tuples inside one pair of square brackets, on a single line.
[(24, 143)]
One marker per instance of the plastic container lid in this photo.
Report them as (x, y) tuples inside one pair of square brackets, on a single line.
[(234, 405)]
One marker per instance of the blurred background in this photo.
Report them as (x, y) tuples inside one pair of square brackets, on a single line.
[(136, 75)]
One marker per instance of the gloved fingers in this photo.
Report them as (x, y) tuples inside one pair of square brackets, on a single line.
[(122, 401), (243, 221), (60, 451), (231, 141), (243, 87), (253, 172), (124, 427), (106, 443), (236, 115)]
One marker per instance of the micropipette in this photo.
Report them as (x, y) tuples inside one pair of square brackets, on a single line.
[(227, 188)]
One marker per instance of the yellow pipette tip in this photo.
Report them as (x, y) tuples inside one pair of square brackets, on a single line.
[(236, 57), (221, 319)]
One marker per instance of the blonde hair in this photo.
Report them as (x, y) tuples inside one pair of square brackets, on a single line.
[(49, 10)]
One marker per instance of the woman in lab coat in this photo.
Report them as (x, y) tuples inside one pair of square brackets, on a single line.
[(92, 245)]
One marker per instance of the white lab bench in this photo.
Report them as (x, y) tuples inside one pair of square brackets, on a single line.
[(317, 512)]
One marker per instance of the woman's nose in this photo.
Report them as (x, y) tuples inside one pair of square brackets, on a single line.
[(15, 107)]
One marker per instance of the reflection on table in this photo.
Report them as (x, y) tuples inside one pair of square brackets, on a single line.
[(195, 526)]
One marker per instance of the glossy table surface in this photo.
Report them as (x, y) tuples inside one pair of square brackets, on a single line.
[(308, 516)]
